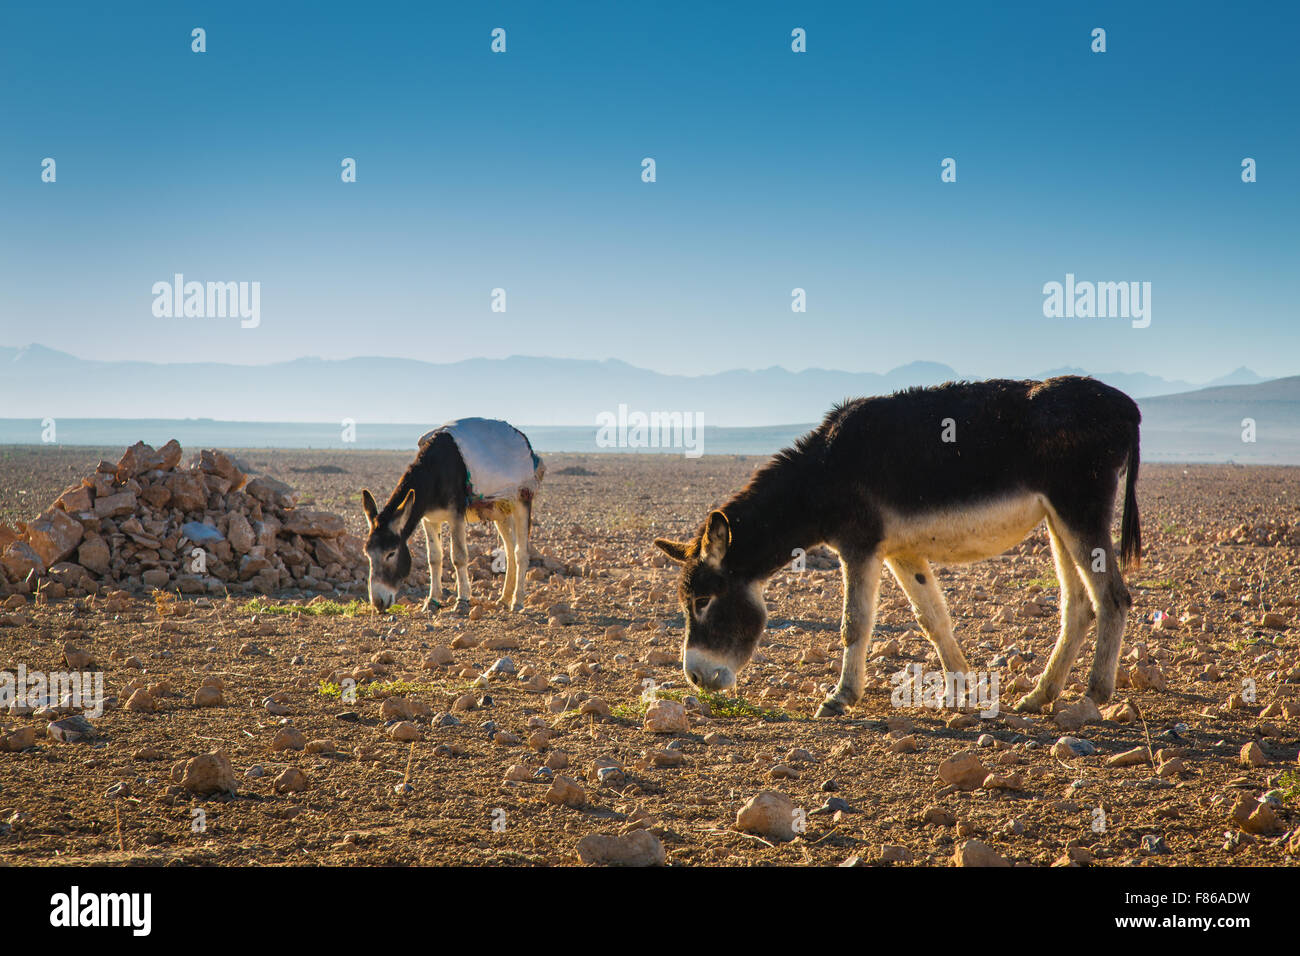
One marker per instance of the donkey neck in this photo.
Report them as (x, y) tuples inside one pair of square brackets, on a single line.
[(775, 514), (437, 477), (420, 506)]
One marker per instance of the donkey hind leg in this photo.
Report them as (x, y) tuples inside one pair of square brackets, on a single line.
[(861, 586), (505, 530), (1100, 571), (519, 515), (433, 541), (918, 582), (460, 560), (1076, 614)]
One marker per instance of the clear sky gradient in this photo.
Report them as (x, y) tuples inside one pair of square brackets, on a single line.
[(775, 170)]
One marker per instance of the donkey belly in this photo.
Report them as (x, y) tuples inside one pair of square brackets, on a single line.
[(496, 509), (963, 533)]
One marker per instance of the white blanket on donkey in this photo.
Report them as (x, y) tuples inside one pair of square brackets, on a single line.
[(498, 457)]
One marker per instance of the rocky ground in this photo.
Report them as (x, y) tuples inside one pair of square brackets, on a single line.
[(504, 738)]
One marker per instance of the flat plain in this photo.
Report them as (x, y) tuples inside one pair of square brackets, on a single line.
[(1210, 674)]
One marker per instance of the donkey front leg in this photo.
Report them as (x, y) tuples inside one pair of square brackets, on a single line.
[(433, 540), (460, 560), (519, 516), (916, 578), (505, 530), (861, 585)]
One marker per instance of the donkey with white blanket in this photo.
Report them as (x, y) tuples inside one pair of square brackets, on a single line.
[(471, 469)]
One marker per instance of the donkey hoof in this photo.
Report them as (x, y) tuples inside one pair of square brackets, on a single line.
[(831, 707), (462, 606), (517, 607), (1031, 703), (1099, 693)]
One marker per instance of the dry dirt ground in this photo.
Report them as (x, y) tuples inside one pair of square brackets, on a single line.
[(445, 798)]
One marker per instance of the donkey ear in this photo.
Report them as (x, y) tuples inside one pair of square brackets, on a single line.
[(368, 505), (717, 538), (674, 549), (398, 521), (406, 503)]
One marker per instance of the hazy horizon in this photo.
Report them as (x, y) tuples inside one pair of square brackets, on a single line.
[(561, 404), (720, 370)]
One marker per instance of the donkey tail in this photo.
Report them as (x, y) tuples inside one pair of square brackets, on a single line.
[(1130, 533)]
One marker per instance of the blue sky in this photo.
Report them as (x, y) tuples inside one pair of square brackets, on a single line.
[(775, 170)]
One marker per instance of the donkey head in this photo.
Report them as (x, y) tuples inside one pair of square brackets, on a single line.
[(390, 558), (724, 611)]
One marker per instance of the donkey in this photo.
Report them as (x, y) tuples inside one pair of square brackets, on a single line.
[(951, 474), (497, 483)]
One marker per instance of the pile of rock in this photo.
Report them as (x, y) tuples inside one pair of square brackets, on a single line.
[(148, 522)]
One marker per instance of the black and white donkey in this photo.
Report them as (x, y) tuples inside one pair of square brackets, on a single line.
[(438, 488), (954, 473)]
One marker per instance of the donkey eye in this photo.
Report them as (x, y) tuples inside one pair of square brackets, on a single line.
[(700, 604)]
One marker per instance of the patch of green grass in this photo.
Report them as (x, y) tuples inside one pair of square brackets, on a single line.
[(723, 705), (260, 605), (327, 608), (1289, 784), (401, 688), (1155, 584), (387, 688), (1044, 583), (632, 713), (720, 705)]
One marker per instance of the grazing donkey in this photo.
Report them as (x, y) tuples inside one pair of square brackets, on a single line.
[(473, 469), (954, 473)]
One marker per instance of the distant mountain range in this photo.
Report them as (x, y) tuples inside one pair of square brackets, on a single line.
[(1182, 420), (1141, 385), (37, 382), (1247, 424)]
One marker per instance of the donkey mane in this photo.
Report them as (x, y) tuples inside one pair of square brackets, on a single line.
[(437, 474), (779, 508), (787, 503), (844, 470)]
